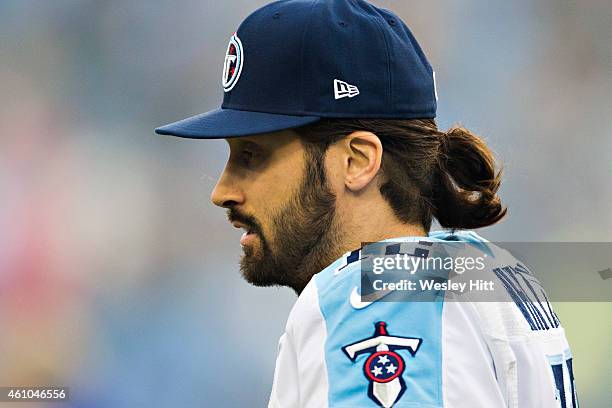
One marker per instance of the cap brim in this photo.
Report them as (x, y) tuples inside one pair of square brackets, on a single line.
[(224, 123)]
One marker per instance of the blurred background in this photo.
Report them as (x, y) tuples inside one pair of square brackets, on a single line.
[(119, 279)]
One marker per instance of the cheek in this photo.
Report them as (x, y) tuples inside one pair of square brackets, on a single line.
[(266, 201), (273, 188)]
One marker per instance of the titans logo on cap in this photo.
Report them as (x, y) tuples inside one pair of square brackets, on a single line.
[(232, 67)]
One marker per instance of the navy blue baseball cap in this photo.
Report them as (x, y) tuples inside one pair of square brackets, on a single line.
[(294, 62)]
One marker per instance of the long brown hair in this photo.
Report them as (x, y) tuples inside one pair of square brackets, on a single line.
[(451, 176)]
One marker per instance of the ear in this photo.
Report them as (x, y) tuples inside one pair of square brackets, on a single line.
[(364, 157)]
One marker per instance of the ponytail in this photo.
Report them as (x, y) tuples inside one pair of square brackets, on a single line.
[(465, 192)]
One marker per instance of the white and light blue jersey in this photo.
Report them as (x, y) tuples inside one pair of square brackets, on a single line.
[(339, 351)]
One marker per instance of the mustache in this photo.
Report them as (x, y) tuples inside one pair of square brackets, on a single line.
[(247, 220)]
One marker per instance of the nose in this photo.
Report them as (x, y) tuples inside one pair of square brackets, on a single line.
[(226, 193)]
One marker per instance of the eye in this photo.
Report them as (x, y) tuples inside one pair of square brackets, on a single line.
[(247, 155)]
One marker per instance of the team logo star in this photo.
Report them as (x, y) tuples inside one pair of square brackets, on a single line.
[(391, 368), (377, 371), (383, 359)]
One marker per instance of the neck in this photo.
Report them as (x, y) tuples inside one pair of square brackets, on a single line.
[(373, 226)]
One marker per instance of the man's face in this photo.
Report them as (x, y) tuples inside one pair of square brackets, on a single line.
[(276, 189)]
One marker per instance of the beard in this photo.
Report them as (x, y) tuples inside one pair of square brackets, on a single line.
[(305, 234)]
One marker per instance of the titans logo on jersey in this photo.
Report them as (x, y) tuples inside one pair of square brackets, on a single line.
[(384, 367)]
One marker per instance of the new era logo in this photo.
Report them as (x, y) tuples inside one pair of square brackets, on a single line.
[(344, 90)]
